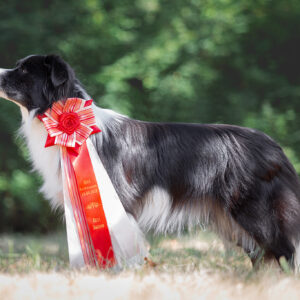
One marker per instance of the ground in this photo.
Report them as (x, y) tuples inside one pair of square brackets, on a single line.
[(188, 267)]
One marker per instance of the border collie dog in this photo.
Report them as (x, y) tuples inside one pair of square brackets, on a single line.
[(170, 176)]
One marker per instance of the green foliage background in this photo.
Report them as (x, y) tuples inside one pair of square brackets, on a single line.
[(224, 61)]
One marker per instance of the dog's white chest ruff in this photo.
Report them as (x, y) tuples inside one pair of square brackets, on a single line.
[(45, 160)]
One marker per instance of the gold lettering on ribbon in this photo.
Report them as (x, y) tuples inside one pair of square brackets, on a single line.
[(86, 181), (95, 227), (88, 188), (92, 205), (91, 192)]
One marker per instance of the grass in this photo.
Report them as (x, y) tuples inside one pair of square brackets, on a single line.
[(193, 266), (27, 253)]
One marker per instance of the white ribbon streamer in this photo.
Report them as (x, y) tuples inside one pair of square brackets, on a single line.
[(75, 253)]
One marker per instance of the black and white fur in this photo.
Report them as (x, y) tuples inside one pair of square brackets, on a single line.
[(171, 175)]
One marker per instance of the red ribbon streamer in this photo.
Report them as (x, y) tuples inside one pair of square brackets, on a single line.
[(88, 209)]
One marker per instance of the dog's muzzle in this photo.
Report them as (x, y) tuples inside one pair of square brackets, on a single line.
[(2, 73)]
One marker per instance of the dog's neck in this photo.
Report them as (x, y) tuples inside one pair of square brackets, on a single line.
[(80, 92)]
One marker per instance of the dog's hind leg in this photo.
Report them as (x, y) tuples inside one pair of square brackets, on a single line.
[(273, 220)]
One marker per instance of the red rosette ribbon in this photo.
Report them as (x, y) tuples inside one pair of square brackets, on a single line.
[(69, 124)]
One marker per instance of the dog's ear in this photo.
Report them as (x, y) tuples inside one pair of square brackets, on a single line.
[(59, 80), (58, 70)]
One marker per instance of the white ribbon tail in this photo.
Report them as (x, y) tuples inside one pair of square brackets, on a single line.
[(75, 252)]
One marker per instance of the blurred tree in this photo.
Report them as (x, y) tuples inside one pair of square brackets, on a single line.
[(181, 60), (27, 27)]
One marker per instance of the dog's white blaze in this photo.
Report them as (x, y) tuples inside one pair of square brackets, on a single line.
[(45, 160)]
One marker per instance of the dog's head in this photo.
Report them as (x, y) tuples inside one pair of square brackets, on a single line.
[(38, 81)]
